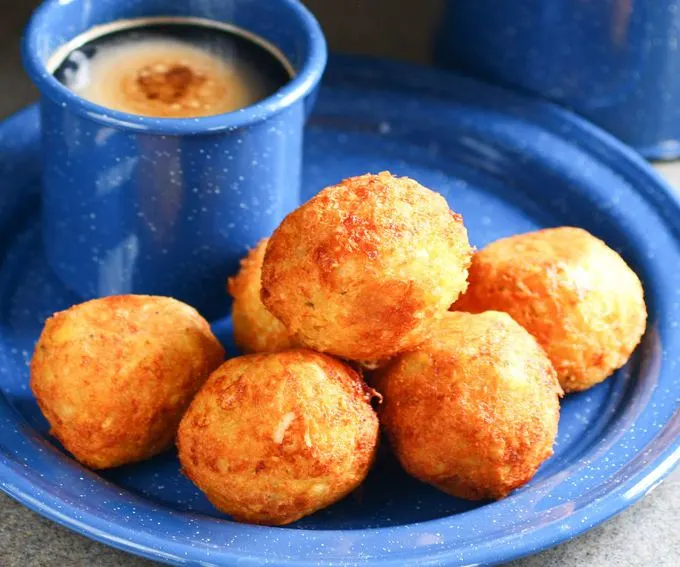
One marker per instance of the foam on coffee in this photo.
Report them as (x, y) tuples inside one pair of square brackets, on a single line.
[(172, 71)]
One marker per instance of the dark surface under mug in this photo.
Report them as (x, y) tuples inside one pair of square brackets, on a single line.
[(135, 204), (616, 62)]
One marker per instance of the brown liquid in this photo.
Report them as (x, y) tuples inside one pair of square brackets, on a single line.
[(171, 67), (166, 78), (168, 85)]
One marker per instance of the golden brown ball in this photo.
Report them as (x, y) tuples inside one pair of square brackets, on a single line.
[(572, 292), (255, 328), (359, 270), (113, 376), (474, 410), (274, 437)]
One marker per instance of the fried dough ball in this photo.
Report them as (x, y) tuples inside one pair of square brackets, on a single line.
[(274, 437), (360, 269), (255, 328), (474, 410), (113, 376), (572, 292)]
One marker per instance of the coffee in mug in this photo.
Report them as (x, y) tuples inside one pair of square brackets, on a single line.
[(171, 67)]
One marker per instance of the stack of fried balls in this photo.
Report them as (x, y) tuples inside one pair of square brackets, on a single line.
[(468, 354)]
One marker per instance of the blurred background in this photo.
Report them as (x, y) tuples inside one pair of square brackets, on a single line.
[(372, 27)]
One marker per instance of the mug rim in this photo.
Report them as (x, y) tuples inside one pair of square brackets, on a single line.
[(302, 84)]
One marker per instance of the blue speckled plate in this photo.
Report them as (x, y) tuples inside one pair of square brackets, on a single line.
[(509, 165)]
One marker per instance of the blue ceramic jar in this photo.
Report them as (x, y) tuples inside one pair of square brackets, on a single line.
[(134, 204), (616, 62)]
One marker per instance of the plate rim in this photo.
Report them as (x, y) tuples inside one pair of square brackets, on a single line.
[(19, 486)]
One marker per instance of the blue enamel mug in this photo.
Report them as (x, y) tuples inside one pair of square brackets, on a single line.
[(168, 206), (615, 62)]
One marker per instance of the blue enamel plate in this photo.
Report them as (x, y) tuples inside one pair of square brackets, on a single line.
[(509, 165)]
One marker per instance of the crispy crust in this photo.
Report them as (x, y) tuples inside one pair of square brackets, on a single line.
[(255, 328), (577, 296), (113, 376), (360, 269), (274, 437), (474, 410)]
